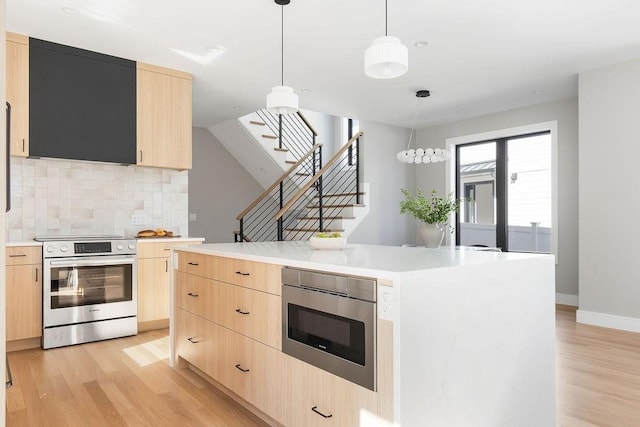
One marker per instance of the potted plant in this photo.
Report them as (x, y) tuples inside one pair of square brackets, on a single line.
[(432, 212)]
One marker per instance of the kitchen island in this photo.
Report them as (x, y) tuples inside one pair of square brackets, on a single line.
[(463, 338)]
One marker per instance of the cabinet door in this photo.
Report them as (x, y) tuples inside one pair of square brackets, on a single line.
[(319, 398), (164, 117), (255, 372), (24, 296), (18, 92), (153, 289), (252, 313), (197, 295)]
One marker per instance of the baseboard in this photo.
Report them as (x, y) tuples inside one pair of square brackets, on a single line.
[(567, 299), (150, 325), (604, 320)]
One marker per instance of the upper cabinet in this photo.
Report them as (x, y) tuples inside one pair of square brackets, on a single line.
[(18, 92), (82, 104), (163, 117)]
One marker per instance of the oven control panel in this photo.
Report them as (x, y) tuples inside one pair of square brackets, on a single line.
[(73, 248)]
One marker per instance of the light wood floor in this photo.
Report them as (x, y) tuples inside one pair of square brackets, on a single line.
[(128, 382)]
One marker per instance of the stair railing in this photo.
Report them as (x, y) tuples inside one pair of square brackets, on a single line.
[(294, 131), (337, 185), (256, 221)]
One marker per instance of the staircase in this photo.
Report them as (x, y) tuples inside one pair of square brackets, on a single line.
[(308, 197)]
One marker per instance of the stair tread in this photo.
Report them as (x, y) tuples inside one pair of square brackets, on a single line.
[(269, 136), (315, 229), (340, 195), (336, 206), (326, 218), (291, 162), (253, 122), (280, 149), (303, 174)]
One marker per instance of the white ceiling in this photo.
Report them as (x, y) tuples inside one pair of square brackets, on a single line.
[(483, 56)]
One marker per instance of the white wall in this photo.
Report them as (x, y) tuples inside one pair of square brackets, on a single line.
[(219, 189), (609, 156), (385, 225), (432, 176)]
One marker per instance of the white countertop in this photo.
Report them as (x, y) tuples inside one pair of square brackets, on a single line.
[(169, 239), (25, 243), (367, 260)]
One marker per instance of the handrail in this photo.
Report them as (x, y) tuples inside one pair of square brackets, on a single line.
[(308, 185), (306, 122), (278, 181)]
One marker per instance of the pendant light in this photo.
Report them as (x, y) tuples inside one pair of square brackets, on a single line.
[(422, 155), (282, 99), (387, 57)]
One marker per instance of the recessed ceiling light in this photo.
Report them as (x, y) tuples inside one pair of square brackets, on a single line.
[(214, 49), (305, 90), (537, 92), (420, 43), (70, 10)]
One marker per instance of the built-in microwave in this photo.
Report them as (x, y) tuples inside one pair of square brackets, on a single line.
[(329, 321)]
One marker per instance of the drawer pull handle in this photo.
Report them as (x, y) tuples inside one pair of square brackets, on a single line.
[(17, 255), (240, 368), (193, 263), (242, 312), (191, 294), (315, 409), (242, 274), (194, 340)]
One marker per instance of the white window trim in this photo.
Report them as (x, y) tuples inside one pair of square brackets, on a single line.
[(551, 126)]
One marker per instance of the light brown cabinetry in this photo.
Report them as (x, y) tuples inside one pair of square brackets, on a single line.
[(17, 81), (154, 278), (24, 293), (322, 399), (163, 117)]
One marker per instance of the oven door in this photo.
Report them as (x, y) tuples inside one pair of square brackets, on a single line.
[(84, 289), (334, 333)]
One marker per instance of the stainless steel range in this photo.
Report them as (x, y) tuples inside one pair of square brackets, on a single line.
[(89, 289)]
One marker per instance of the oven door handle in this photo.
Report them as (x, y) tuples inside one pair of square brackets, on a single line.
[(111, 260)]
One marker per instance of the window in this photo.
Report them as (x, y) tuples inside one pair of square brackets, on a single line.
[(505, 185)]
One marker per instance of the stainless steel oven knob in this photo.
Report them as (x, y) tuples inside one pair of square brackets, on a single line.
[(50, 248), (119, 246), (63, 248)]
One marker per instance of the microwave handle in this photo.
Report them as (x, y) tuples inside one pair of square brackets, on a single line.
[(112, 260), (8, 159)]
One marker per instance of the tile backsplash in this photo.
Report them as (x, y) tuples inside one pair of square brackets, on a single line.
[(63, 197)]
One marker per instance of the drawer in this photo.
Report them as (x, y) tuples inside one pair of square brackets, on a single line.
[(149, 249), (255, 372), (197, 295), (250, 274), (328, 400), (198, 342), (197, 264), (252, 313), (20, 255)]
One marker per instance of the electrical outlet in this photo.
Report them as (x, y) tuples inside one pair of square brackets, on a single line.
[(385, 302), (138, 219)]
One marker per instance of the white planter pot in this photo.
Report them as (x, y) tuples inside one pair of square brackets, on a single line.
[(432, 235)]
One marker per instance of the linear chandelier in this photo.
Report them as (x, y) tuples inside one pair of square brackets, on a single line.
[(282, 99), (421, 155)]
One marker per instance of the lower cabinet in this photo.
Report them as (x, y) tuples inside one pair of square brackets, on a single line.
[(319, 398), (255, 371), (198, 342), (24, 293)]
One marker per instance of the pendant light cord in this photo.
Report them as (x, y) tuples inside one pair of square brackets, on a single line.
[(282, 45), (385, 18), (413, 126)]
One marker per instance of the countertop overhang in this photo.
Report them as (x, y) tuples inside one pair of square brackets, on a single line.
[(364, 260)]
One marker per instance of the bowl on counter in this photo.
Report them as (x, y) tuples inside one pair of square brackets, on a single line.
[(329, 243)]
